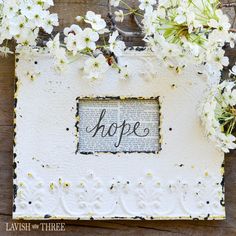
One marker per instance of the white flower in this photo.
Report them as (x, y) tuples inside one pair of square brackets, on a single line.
[(72, 43), (18, 25), (49, 22), (5, 31), (72, 34), (79, 18), (87, 39), (218, 60), (115, 3), (184, 15), (166, 3), (95, 20), (73, 29), (27, 37), (221, 23), (28, 10), (59, 54), (119, 16), (233, 70), (116, 46), (230, 97), (193, 48), (146, 4), (10, 8), (46, 3), (229, 93), (180, 19), (232, 39), (54, 44), (61, 60), (226, 142), (77, 39), (150, 20), (95, 67), (38, 16)]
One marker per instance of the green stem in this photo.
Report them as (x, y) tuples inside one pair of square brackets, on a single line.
[(130, 8)]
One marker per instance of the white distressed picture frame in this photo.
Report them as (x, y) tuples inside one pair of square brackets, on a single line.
[(183, 181)]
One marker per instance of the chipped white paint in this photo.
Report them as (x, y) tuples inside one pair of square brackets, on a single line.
[(182, 181)]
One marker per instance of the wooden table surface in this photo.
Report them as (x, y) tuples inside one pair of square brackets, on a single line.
[(67, 10)]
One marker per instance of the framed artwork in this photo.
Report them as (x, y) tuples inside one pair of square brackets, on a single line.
[(111, 148)]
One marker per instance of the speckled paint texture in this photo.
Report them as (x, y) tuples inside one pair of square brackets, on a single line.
[(182, 181)]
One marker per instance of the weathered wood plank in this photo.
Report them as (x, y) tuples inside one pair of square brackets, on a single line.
[(6, 90), (6, 105), (6, 171), (6, 71), (6, 138)]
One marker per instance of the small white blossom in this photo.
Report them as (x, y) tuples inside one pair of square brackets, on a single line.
[(49, 22), (221, 23), (218, 59), (54, 44), (79, 18), (95, 67), (230, 97), (232, 39), (59, 53), (146, 4), (73, 29), (115, 3), (233, 70), (61, 60), (87, 39), (72, 43), (116, 46), (119, 16), (95, 20), (10, 8), (72, 34)]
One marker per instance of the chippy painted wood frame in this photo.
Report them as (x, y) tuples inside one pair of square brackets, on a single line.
[(149, 175)]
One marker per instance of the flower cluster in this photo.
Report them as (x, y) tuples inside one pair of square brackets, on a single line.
[(178, 29), (96, 42), (218, 115), (232, 72), (21, 20)]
